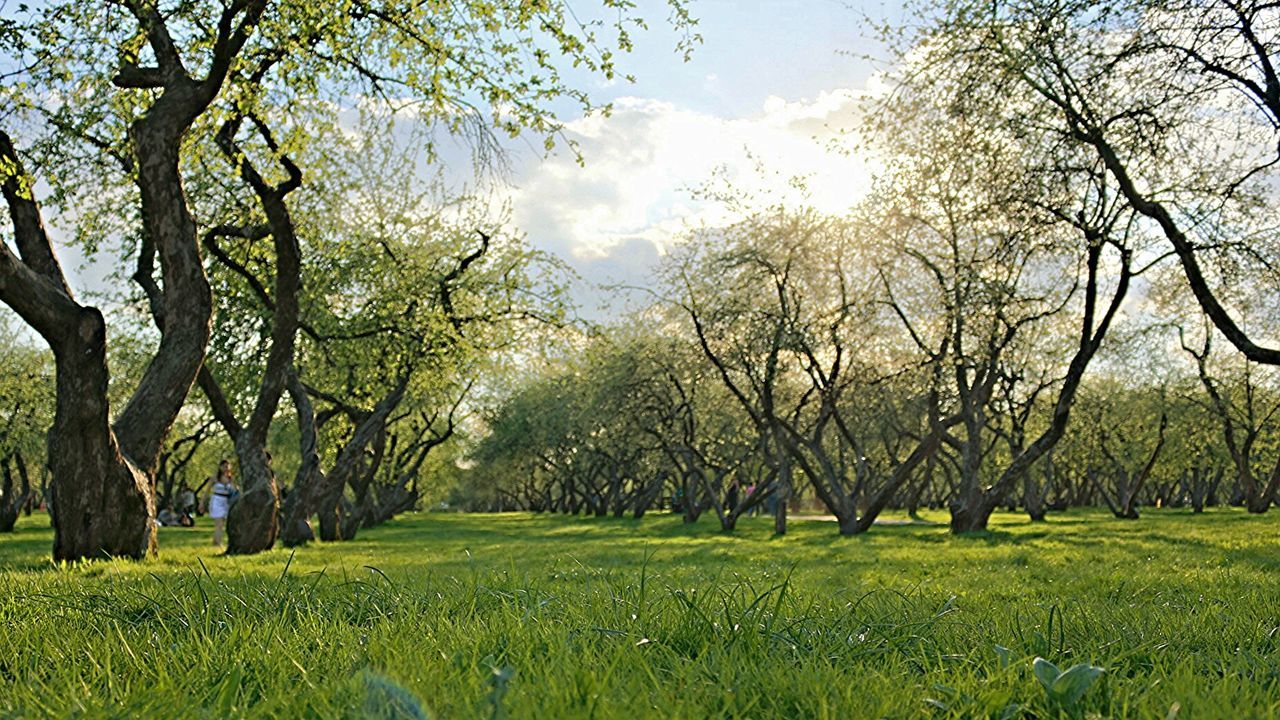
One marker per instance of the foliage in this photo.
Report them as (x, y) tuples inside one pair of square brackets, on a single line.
[(26, 395)]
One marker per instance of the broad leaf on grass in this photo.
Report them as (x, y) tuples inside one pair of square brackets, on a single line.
[(1065, 686), (1046, 672), (1073, 683)]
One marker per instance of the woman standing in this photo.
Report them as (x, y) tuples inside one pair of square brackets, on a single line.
[(224, 487)]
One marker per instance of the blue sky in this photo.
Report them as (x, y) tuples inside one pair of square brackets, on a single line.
[(789, 48)]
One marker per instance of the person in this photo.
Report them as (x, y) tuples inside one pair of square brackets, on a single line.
[(186, 506), (224, 486), (186, 499), (167, 517)]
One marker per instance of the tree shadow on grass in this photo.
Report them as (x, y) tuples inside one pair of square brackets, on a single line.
[(28, 547)]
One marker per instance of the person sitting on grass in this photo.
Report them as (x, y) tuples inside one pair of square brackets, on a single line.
[(167, 517)]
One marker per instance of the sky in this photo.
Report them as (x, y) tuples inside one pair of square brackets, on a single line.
[(759, 102)]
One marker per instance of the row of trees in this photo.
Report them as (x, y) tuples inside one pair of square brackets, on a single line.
[(778, 386), (209, 153), (1076, 201)]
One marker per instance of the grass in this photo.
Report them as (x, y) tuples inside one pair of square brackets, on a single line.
[(449, 616)]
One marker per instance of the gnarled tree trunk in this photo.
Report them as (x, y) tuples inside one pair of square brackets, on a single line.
[(102, 505), (101, 488)]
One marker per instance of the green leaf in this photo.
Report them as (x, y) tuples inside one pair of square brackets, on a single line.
[(1068, 686), (1046, 672), (1072, 684), (227, 692)]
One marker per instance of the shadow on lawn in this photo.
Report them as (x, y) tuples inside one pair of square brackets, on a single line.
[(28, 547), (450, 542)]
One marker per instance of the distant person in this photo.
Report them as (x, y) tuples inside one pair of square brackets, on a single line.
[(186, 500), (224, 487), (186, 508), (167, 517)]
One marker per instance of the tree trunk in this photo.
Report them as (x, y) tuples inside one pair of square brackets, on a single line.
[(346, 469), (10, 502), (102, 505), (783, 494), (849, 525), (1263, 497), (970, 512), (296, 530), (253, 522), (1032, 499), (645, 499), (917, 491)]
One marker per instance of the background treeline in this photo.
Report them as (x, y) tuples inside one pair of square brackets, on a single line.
[(1060, 291), (795, 359)]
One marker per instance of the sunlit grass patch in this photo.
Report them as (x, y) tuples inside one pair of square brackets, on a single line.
[(534, 616)]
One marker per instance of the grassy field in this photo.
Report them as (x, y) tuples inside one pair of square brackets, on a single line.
[(523, 616)]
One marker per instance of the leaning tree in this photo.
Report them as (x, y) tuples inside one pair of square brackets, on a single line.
[(163, 72), (1178, 101)]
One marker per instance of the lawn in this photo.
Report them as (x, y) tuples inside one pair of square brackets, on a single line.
[(520, 616)]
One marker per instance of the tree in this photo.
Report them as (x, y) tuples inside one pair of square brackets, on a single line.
[(411, 290), (26, 411), (252, 525), (783, 306), (1244, 402), (140, 79), (1177, 100), (1025, 208), (101, 491)]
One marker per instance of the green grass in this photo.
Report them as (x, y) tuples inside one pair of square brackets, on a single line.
[(449, 616)]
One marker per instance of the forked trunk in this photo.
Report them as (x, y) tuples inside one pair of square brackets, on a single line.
[(1260, 498), (729, 521), (849, 525)]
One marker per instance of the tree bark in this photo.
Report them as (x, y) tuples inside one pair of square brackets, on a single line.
[(102, 504), (302, 500)]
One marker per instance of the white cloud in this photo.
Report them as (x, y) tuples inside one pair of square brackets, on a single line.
[(644, 159)]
